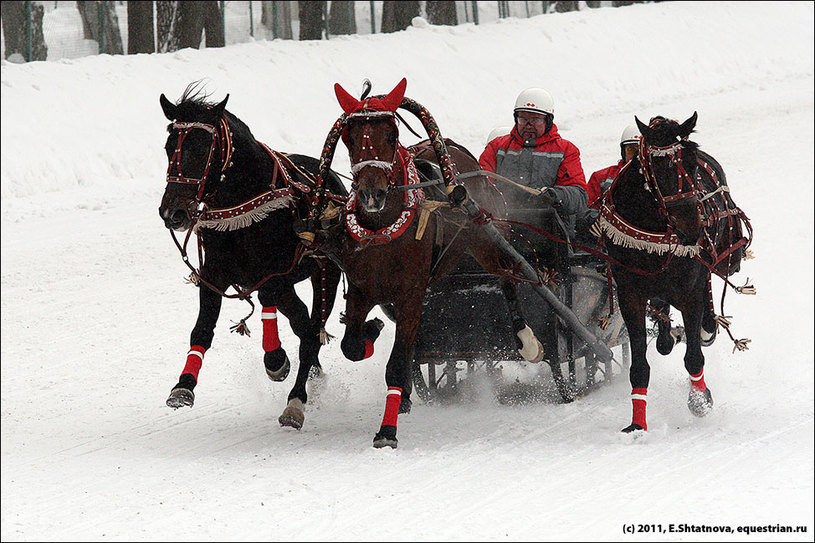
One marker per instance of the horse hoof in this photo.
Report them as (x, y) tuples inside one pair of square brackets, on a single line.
[(386, 437), (668, 338), (277, 364), (632, 428), (180, 397), (293, 415), (404, 406), (700, 403)]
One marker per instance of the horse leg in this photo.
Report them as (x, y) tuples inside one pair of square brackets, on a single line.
[(397, 371), (632, 306), (700, 400), (209, 307), (709, 324), (293, 308), (360, 335), (528, 345)]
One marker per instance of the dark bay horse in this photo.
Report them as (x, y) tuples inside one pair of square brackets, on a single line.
[(668, 223), (399, 239), (241, 200)]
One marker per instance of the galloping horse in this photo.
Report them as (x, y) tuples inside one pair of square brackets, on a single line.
[(241, 199), (669, 222), (399, 239)]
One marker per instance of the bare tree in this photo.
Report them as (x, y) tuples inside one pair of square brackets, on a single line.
[(104, 31), (342, 18), (311, 20), (140, 36), (13, 14), (196, 17), (442, 13), (277, 17), (166, 25), (562, 6), (397, 15)]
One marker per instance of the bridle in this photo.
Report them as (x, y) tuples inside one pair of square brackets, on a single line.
[(368, 156), (221, 141), (686, 187)]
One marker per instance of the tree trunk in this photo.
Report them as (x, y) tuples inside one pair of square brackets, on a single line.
[(397, 15), (213, 24), (140, 36), (563, 6), (311, 20), (190, 24), (442, 13), (107, 33), (342, 18), (14, 31), (276, 16), (167, 25)]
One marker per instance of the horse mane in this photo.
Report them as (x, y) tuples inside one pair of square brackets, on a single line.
[(195, 102)]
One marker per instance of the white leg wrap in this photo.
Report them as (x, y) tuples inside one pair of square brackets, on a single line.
[(532, 350)]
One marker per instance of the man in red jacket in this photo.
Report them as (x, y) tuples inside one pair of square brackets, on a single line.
[(601, 180), (533, 154)]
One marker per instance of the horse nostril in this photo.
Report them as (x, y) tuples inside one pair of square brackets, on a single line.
[(174, 219)]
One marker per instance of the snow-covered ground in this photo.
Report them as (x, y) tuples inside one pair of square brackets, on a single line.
[(96, 316)]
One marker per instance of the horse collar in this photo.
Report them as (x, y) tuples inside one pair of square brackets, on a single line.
[(411, 200)]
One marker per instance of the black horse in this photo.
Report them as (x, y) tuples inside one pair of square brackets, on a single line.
[(669, 222), (242, 200)]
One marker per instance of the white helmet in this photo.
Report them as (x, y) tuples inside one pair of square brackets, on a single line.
[(535, 100), (630, 135), (498, 132)]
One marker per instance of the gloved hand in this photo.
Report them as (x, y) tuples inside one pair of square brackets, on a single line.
[(548, 197)]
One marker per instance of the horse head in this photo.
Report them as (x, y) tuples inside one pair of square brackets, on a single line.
[(372, 139), (669, 163), (198, 151)]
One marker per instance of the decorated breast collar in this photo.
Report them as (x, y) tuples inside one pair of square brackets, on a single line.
[(625, 234), (255, 209), (412, 199)]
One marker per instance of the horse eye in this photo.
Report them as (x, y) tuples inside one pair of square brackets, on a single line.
[(391, 139)]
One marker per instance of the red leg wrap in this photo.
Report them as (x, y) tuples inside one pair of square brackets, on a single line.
[(392, 402), (271, 340), (194, 360), (369, 349), (698, 381), (638, 401)]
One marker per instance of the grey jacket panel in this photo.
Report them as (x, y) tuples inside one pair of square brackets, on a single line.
[(536, 169)]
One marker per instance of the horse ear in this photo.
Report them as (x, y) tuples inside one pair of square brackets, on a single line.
[(647, 133), (688, 126), (394, 98), (168, 107), (218, 110), (348, 103)]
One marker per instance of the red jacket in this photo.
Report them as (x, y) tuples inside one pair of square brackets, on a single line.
[(553, 162), (600, 181)]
